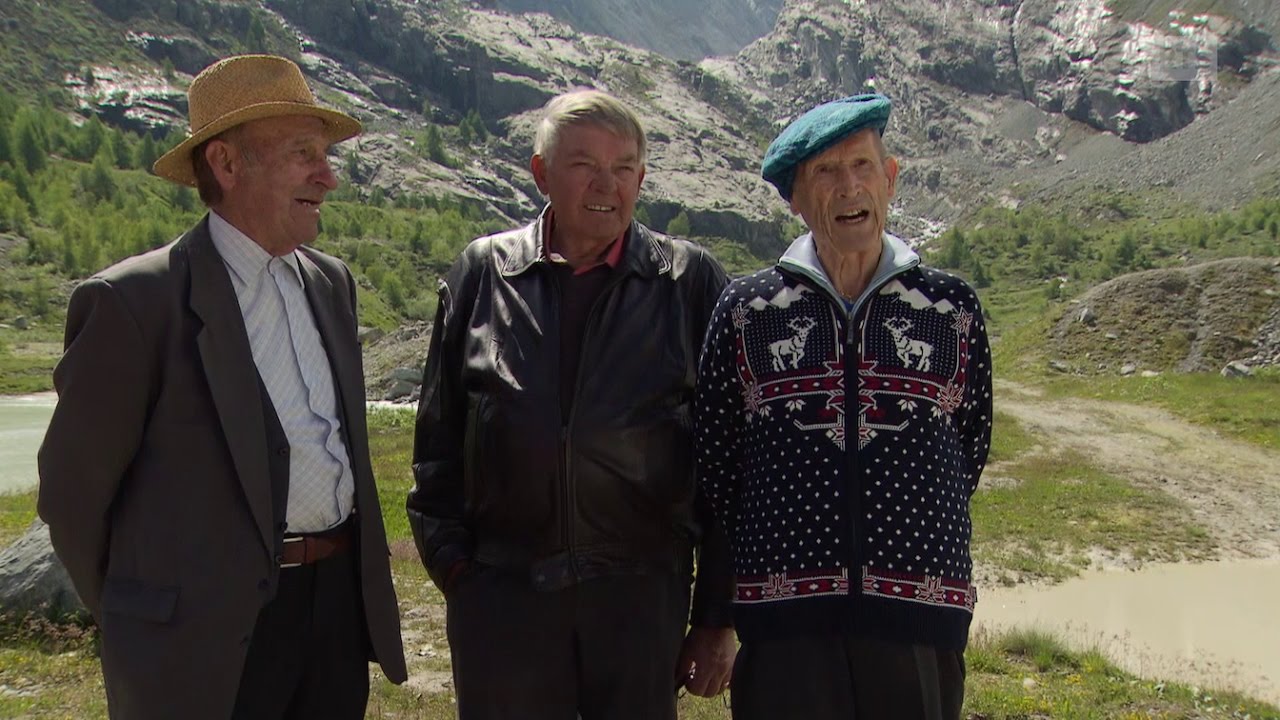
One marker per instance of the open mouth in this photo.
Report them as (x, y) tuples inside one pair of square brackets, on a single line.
[(853, 217), (600, 208), (309, 204)]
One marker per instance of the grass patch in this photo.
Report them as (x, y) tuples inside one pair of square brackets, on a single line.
[(1244, 408), (1009, 440), (49, 670), (17, 510), (1032, 674), (1061, 508), (391, 450), (23, 375)]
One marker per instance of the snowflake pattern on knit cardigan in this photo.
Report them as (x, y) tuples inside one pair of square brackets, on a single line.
[(814, 486)]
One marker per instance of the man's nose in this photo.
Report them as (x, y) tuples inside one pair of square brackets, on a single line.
[(846, 182), (604, 180), (325, 175)]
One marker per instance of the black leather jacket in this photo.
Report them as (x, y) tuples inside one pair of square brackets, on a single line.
[(503, 479)]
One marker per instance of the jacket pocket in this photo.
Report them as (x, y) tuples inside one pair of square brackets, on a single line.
[(138, 600)]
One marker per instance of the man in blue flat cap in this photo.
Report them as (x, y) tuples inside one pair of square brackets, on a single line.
[(843, 415)]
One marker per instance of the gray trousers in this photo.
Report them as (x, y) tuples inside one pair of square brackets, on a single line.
[(604, 649), (846, 678)]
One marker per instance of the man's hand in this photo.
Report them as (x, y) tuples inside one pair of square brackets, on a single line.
[(706, 661)]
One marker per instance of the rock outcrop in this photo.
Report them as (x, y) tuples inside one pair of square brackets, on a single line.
[(675, 28), (32, 580)]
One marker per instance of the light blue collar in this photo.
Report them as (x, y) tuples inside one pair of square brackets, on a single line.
[(802, 258)]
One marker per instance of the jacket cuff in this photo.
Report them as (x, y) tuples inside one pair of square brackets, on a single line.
[(442, 563), (711, 614)]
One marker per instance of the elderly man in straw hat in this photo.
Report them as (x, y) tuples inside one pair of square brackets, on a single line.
[(206, 475), (844, 417)]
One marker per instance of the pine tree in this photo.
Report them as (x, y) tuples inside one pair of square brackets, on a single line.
[(6, 146), (91, 137), (22, 186), (256, 38), (435, 146), (679, 225), (97, 180), (121, 152), (148, 152), (30, 143)]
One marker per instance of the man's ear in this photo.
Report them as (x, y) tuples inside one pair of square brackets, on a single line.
[(538, 166), (224, 161), (891, 172)]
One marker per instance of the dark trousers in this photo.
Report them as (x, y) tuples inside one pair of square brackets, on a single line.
[(846, 678), (308, 657), (604, 649)]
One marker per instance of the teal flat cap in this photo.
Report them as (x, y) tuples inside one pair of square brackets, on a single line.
[(817, 130)]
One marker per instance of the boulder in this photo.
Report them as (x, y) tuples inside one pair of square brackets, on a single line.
[(405, 374), (400, 389), (32, 580), (368, 335), (1059, 366), (21, 322), (1237, 369), (1128, 369)]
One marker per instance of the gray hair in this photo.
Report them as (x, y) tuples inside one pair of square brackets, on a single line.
[(586, 106)]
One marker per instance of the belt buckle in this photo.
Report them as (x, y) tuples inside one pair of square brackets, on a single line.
[(286, 542)]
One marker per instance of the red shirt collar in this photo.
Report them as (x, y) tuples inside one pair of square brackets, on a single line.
[(611, 258)]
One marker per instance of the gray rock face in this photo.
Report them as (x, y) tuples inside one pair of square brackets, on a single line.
[(675, 28), (135, 99), (186, 54), (1077, 58), (32, 580)]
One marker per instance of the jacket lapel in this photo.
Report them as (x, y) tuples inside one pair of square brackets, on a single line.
[(337, 330), (231, 374)]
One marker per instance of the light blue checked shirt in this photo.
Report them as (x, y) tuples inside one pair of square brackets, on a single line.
[(293, 365)]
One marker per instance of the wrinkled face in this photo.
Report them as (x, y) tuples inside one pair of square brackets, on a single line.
[(592, 179), (275, 177), (843, 193)]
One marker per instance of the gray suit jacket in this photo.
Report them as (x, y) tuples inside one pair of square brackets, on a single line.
[(155, 477)]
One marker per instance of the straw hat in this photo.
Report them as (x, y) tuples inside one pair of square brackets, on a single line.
[(242, 88)]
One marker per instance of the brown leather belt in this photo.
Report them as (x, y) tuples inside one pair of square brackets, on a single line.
[(307, 549)]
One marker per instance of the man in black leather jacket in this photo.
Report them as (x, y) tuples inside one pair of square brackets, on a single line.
[(555, 502)]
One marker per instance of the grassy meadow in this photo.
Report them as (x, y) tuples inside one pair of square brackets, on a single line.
[(1058, 509)]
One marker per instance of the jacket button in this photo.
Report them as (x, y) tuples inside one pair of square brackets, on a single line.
[(283, 451), (279, 559)]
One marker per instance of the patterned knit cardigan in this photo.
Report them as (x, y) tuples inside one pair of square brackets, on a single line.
[(847, 514)]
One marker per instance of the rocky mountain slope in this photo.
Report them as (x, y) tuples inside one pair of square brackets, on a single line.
[(675, 28), (983, 89)]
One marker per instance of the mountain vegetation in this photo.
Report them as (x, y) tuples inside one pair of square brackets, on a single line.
[(1007, 180)]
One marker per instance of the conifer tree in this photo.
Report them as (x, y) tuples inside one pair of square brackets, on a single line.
[(30, 144), (6, 147)]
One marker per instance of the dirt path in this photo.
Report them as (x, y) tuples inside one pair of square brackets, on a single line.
[(1232, 488)]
